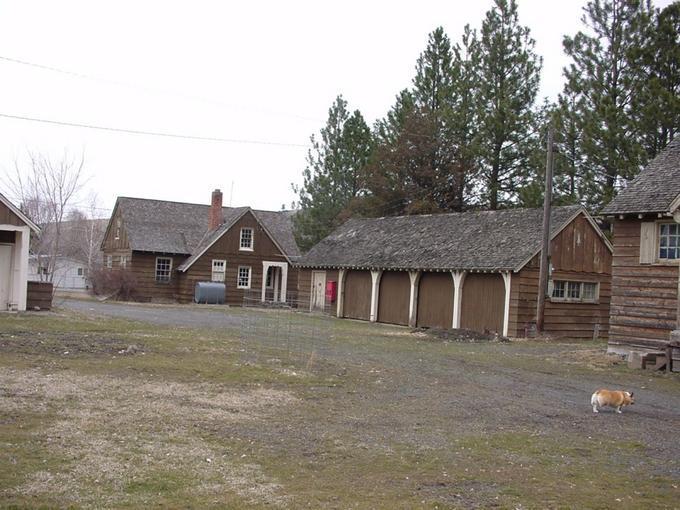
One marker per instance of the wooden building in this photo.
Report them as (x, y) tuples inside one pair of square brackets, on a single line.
[(168, 247), (646, 236), (473, 270), (15, 234)]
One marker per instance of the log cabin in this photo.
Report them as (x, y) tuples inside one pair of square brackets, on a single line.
[(169, 247), (473, 270), (15, 237), (645, 220)]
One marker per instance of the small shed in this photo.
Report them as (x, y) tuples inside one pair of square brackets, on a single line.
[(15, 233), (476, 270)]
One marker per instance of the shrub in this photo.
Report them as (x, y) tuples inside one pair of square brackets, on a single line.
[(117, 283)]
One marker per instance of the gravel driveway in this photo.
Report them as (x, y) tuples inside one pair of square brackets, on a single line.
[(426, 393)]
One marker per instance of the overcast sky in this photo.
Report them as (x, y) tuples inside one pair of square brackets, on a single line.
[(243, 71)]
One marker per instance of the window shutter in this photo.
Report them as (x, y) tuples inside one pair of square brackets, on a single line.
[(647, 242)]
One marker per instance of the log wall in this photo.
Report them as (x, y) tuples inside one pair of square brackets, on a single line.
[(644, 296)]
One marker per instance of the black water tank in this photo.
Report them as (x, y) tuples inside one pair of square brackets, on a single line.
[(211, 293)]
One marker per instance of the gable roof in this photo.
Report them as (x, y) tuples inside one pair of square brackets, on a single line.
[(654, 189), (479, 240), (180, 228), (19, 214)]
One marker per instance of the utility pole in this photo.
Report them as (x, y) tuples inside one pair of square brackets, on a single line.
[(545, 247)]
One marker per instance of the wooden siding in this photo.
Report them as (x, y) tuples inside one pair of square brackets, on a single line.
[(8, 236), (578, 253), (394, 296), (483, 303), (357, 304), (142, 266), (304, 287), (116, 245), (227, 248), (435, 300), (643, 296), (7, 217)]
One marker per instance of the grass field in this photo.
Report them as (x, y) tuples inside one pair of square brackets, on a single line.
[(98, 412)]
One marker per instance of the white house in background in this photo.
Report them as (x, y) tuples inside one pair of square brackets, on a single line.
[(15, 233), (69, 274)]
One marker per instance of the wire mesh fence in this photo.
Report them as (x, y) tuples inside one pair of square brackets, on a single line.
[(286, 332)]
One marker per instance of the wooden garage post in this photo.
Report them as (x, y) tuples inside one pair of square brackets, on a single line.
[(375, 291), (458, 280), (341, 292), (506, 309), (413, 299)]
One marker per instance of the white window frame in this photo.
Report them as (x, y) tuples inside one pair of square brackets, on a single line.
[(109, 261), (80, 271), (169, 270), (218, 275), (567, 284), (657, 243), (123, 262), (252, 239), (238, 277)]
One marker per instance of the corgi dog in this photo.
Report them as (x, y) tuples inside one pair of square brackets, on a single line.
[(617, 399)]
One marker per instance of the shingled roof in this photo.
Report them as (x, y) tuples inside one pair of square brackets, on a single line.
[(654, 189), (482, 240), (176, 227)]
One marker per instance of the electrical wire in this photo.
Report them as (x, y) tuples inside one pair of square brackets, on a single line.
[(152, 133)]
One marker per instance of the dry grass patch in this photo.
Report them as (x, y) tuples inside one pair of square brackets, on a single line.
[(128, 440)]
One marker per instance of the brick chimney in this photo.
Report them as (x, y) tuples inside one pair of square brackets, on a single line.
[(215, 218)]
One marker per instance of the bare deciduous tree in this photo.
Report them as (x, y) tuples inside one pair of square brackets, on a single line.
[(45, 191)]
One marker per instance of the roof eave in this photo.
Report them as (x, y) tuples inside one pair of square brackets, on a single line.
[(35, 228)]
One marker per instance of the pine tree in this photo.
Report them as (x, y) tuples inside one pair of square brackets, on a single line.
[(509, 74), (603, 80), (657, 103), (333, 176)]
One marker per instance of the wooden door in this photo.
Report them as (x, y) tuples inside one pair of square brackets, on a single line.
[(357, 304), (394, 295), (435, 300), (483, 303), (5, 274), (318, 290)]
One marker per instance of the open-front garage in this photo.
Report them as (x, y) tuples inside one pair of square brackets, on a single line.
[(357, 300), (395, 290), (435, 300), (436, 271), (483, 302)]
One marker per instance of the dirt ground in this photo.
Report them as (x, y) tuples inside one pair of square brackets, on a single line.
[(383, 418)]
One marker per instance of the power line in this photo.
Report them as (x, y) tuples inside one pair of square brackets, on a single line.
[(150, 89), (151, 133)]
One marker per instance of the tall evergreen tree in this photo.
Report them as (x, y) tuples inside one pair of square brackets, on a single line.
[(425, 158), (333, 176), (463, 120), (657, 103), (604, 80), (509, 74)]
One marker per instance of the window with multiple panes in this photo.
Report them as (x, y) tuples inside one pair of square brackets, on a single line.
[(246, 239), (243, 279), (109, 261), (669, 241), (80, 271), (123, 261), (584, 292), (163, 269), (270, 280), (218, 269)]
